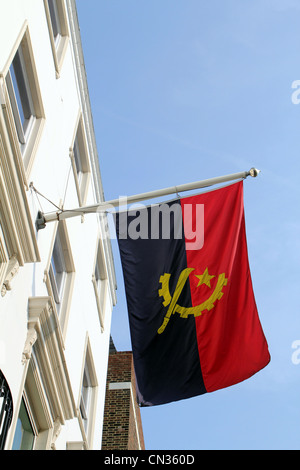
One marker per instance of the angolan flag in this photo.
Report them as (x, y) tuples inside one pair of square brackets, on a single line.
[(193, 318)]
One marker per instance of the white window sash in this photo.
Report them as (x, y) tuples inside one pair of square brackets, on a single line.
[(55, 21), (15, 108), (26, 103)]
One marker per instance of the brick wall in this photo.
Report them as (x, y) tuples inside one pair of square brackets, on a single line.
[(122, 427)]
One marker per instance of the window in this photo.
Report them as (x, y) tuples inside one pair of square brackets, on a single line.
[(85, 399), (58, 29), (23, 103), (48, 390), (100, 283), (80, 163), (20, 96), (88, 395), (55, 20), (25, 433), (60, 273)]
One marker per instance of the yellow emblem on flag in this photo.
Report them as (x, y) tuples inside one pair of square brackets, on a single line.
[(184, 312)]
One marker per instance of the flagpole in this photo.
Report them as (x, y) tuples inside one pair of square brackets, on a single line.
[(43, 219)]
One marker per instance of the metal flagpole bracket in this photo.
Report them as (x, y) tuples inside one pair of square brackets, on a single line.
[(43, 219), (40, 222)]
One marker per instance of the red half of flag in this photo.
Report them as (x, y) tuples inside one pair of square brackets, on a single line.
[(231, 343)]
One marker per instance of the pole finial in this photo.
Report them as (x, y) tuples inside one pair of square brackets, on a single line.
[(254, 172)]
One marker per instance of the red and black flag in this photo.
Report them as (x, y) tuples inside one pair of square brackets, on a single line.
[(192, 313)]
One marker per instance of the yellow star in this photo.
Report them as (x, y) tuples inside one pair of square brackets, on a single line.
[(204, 278)]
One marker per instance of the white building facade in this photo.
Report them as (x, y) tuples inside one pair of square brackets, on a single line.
[(57, 284)]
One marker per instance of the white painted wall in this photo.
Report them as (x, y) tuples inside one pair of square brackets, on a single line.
[(52, 175)]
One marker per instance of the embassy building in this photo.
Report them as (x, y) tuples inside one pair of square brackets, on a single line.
[(58, 284)]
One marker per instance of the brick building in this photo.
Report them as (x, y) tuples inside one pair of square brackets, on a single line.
[(122, 428)]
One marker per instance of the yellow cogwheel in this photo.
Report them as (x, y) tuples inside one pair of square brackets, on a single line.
[(165, 291)]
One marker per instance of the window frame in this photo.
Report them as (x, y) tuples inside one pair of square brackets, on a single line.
[(100, 282), (80, 161), (61, 294), (47, 384), (59, 41), (87, 412), (55, 19), (31, 420), (85, 396), (20, 96), (24, 139), (58, 270)]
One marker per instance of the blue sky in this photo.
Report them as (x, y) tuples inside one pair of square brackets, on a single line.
[(184, 90)]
